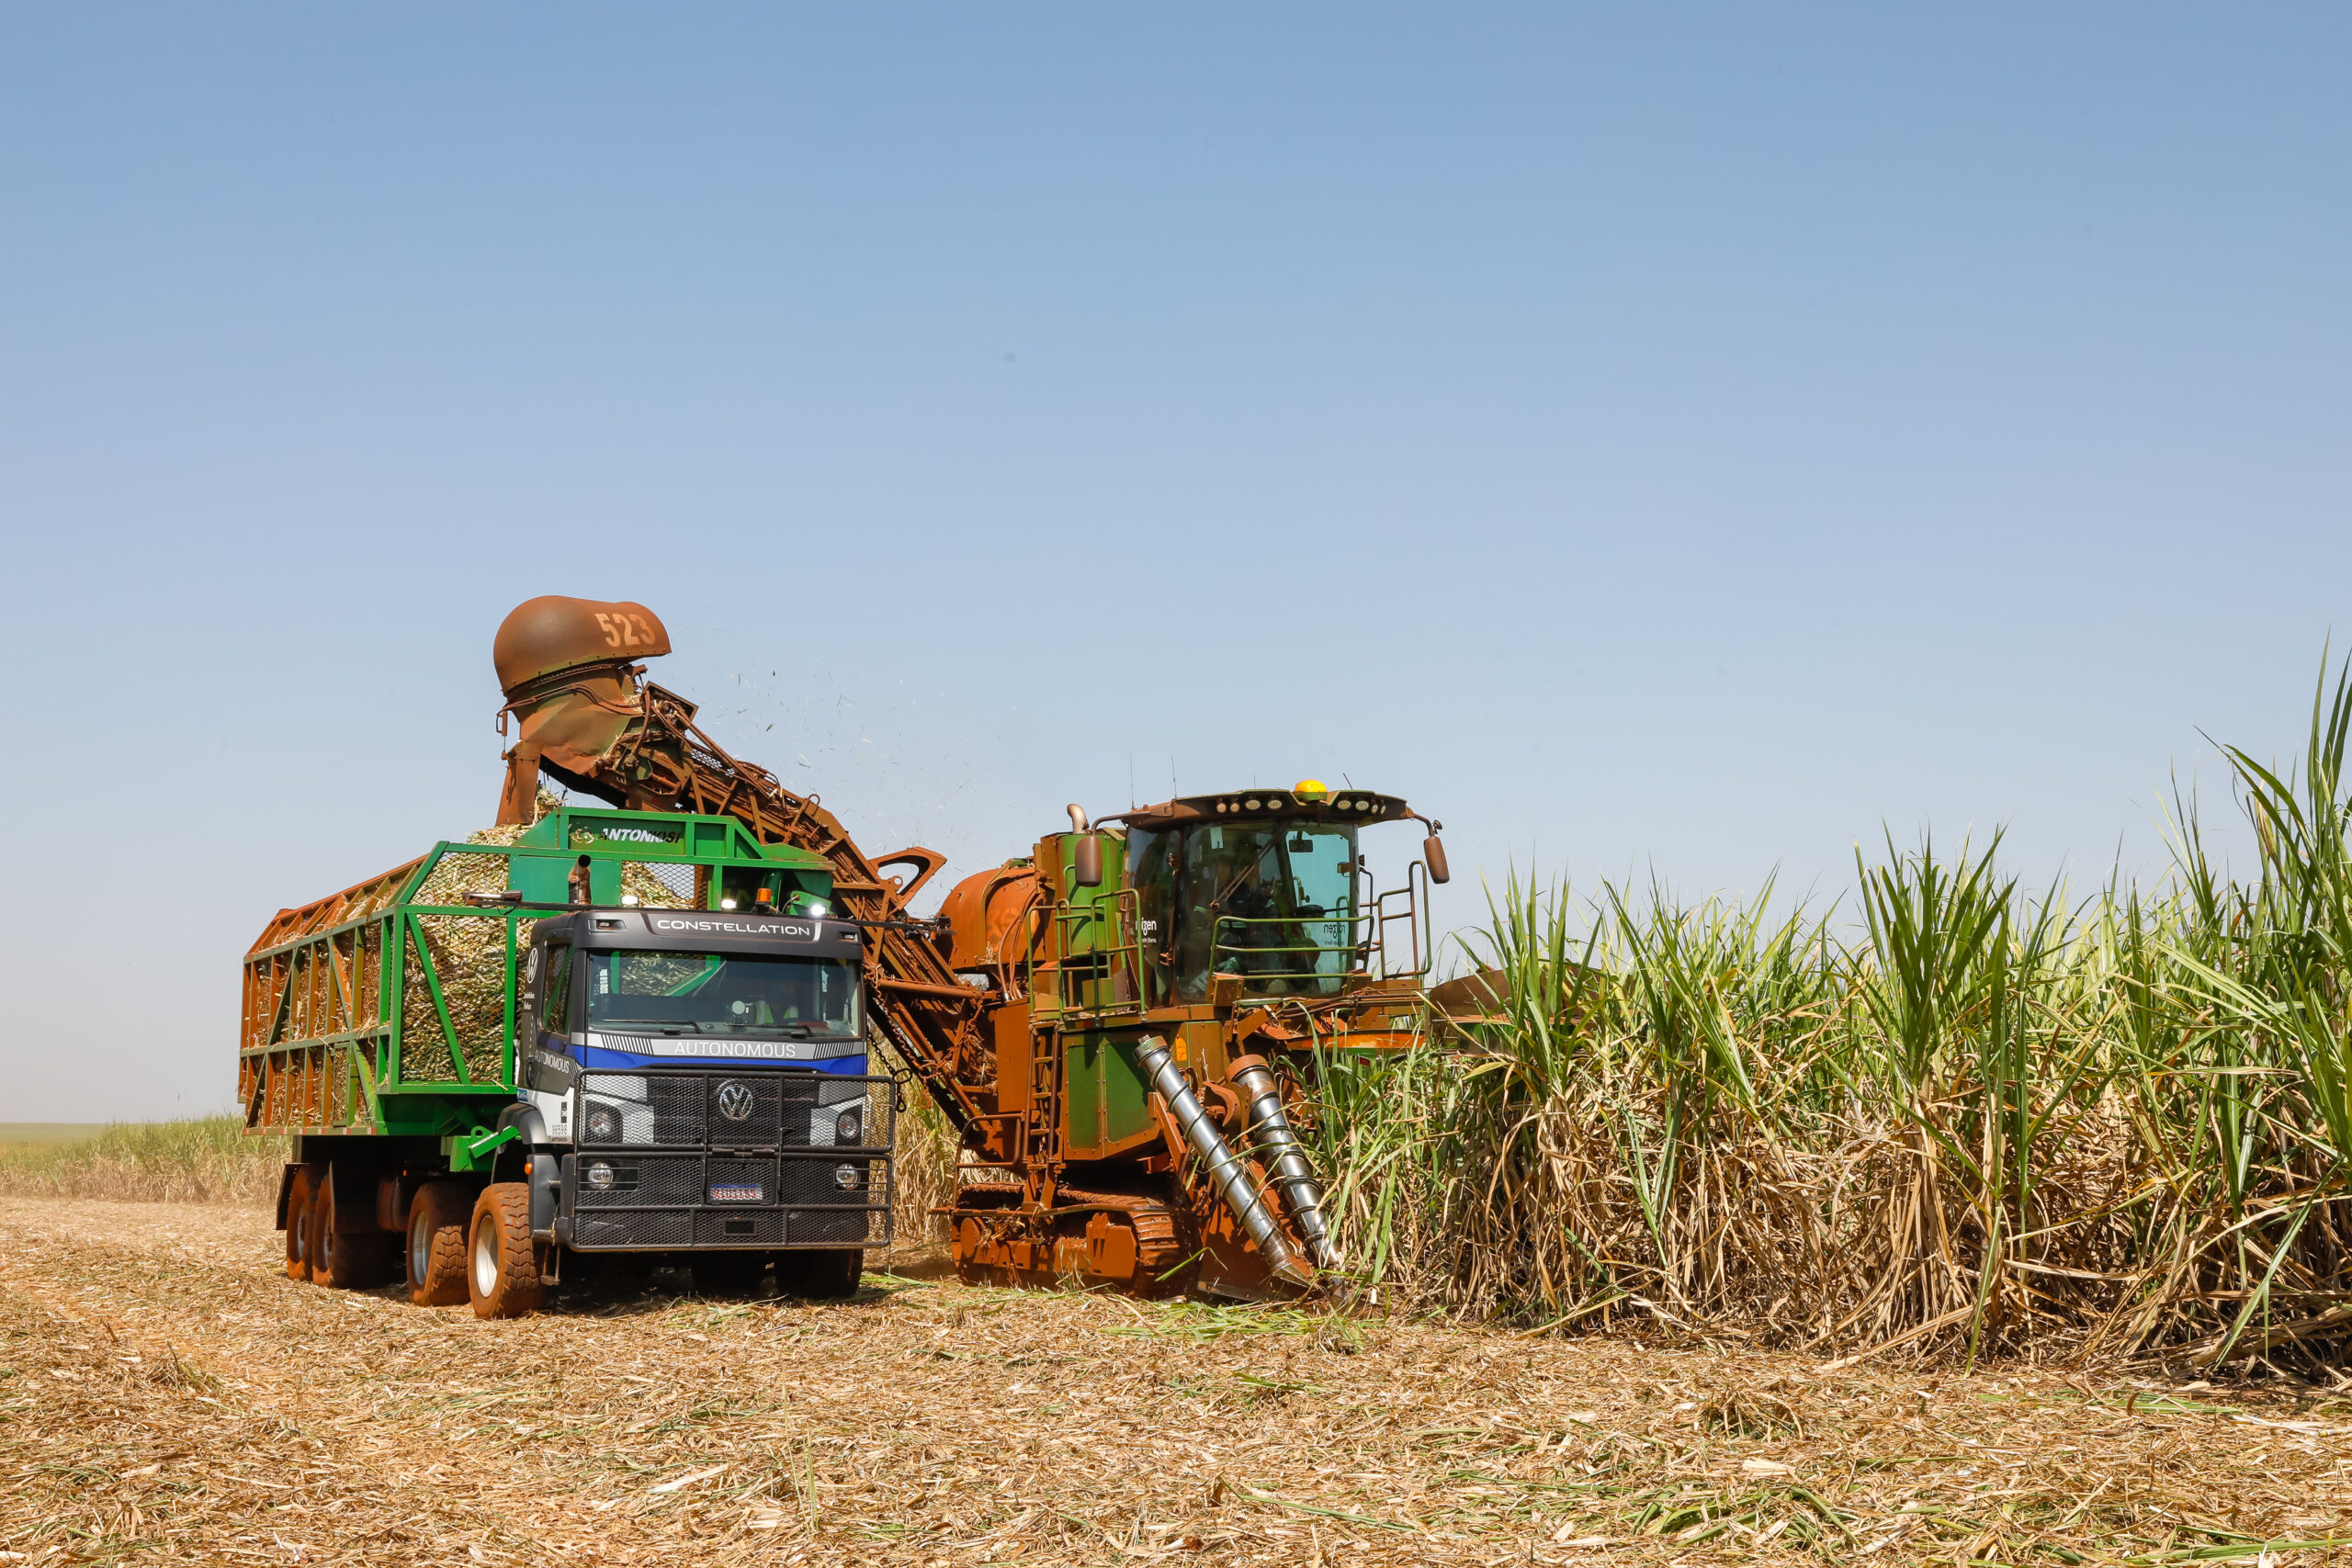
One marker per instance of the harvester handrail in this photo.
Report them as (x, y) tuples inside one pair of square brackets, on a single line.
[(1104, 963), (1416, 908)]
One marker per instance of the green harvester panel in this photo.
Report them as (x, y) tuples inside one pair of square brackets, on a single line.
[(1109, 1102)]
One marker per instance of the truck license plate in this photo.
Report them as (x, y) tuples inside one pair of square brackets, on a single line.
[(736, 1192)]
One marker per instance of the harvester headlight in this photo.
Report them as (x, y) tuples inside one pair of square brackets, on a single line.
[(846, 1128), (727, 903), (600, 1177), (1251, 804), (846, 1176), (603, 1124), (630, 900)]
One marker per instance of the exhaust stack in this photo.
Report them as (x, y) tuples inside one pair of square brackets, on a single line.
[(1225, 1169), (1286, 1166)]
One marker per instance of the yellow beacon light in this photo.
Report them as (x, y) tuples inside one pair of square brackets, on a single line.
[(1310, 792)]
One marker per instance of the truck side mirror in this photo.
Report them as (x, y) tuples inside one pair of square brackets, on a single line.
[(1433, 851), (1087, 867)]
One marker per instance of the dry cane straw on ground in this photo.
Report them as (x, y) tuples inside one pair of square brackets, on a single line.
[(165, 1395)]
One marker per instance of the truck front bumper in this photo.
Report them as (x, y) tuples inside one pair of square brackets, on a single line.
[(679, 1160)]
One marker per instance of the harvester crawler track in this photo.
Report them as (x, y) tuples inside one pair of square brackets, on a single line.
[(1137, 1245)]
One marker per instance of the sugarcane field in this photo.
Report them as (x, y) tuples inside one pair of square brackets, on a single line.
[(1147, 1199), (1303, 786)]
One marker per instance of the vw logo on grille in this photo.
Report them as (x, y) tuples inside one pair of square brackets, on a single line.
[(736, 1101)]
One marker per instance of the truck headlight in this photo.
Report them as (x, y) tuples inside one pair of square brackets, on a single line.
[(846, 1176), (847, 1128), (600, 1177), (603, 1124)]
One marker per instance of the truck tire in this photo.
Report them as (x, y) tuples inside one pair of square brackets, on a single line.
[(436, 1244), (822, 1274), (345, 1260), (727, 1274), (502, 1269), (300, 1193)]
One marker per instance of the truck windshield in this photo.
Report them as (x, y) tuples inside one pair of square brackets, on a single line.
[(716, 993)]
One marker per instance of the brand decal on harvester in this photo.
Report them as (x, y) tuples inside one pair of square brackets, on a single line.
[(734, 928)]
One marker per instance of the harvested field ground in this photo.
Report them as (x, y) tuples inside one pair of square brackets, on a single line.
[(165, 1395)]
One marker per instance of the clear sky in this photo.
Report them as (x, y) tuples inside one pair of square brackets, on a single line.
[(1648, 438)]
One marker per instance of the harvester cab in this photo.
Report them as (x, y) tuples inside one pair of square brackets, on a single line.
[(1270, 889)]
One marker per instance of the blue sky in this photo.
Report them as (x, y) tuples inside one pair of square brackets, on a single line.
[(1679, 440)]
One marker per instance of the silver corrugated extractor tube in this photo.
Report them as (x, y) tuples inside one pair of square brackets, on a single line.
[(1225, 1169), (1286, 1166)]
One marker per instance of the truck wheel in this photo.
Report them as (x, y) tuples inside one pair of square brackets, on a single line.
[(728, 1273), (826, 1274), (299, 1194), (502, 1272), (436, 1244), (346, 1259)]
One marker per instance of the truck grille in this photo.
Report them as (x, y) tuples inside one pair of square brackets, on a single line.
[(730, 1110), (722, 1160)]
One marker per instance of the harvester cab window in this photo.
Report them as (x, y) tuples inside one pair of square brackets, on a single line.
[(1273, 902), (711, 993), (1151, 871), (555, 1006)]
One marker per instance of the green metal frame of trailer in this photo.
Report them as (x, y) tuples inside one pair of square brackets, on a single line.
[(335, 1040)]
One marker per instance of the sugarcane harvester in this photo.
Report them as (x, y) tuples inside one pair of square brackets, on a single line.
[(1156, 988), (1115, 1026)]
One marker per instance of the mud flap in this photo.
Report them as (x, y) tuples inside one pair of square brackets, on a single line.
[(285, 1186)]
